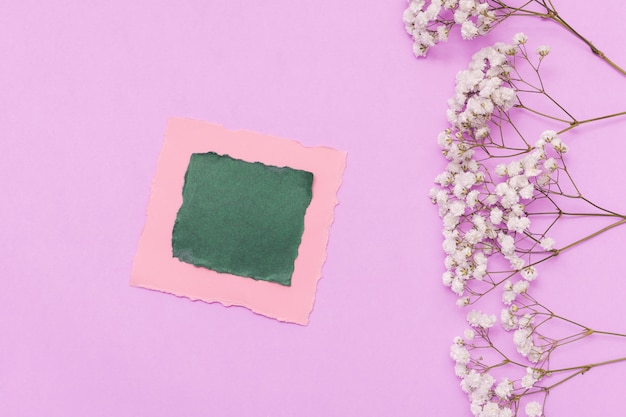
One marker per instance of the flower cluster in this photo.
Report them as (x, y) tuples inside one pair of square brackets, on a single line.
[(430, 22), (495, 182), (488, 397), (484, 216), (491, 187)]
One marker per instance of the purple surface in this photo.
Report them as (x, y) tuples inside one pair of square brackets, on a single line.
[(85, 92)]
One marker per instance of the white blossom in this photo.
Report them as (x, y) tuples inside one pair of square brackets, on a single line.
[(531, 378), (533, 409), (547, 243), (459, 354), (529, 273), (543, 51), (476, 318), (520, 38), (508, 319), (504, 390)]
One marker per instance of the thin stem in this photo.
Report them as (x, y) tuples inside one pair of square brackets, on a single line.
[(553, 15), (577, 123), (522, 106), (585, 368), (604, 229)]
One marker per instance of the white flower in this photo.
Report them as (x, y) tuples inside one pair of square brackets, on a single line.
[(495, 216), (442, 33), (467, 5), (449, 245), (471, 381), (444, 139), (516, 262), (476, 318), (444, 179), (506, 412), (491, 199), (507, 244), (508, 320), (463, 301), (543, 180), (457, 208), (419, 50), (460, 370), (527, 191), (550, 164), (508, 297), (480, 265), (526, 320), (529, 273), (504, 389), (519, 38), (490, 409), (460, 16), (524, 343), (531, 378), (521, 287), (459, 354), (458, 286), (501, 170), (450, 221), (559, 146), (543, 51), (530, 164), (518, 224), (504, 97), (548, 135), (474, 236), (535, 354), (514, 168), (517, 181), (533, 409), (547, 243)]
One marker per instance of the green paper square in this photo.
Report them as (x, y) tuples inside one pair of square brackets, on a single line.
[(242, 218)]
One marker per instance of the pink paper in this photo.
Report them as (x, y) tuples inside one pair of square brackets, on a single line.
[(155, 268)]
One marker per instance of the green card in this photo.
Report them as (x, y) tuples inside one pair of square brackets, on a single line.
[(242, 218)]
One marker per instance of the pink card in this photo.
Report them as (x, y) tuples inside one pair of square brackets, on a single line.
[(154, 266)]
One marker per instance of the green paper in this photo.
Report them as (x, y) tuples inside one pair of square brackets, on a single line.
[(242, 218)]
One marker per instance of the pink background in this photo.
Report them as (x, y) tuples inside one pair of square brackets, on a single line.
[(85, 92)]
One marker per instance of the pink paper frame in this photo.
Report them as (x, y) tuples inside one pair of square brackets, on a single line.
[(154, 266)]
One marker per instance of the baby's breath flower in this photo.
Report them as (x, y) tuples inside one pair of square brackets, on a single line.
[(463, 301), (486, 204), (508, 319), (531, 378), (520, 38), (533, 409), (459, 354), (547, 243), (559, 146), (516, 262), (521, 287), (548, 135), (469, 30), (504, 390), (476, 318), (529, 273), (460, 370), (543, 51)]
